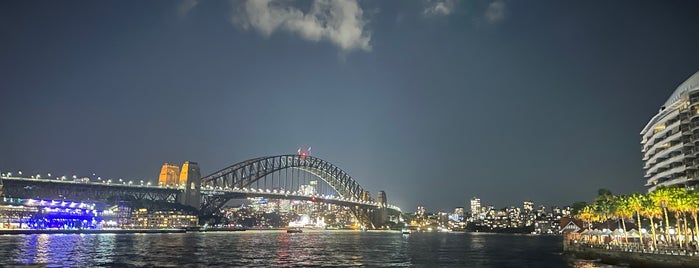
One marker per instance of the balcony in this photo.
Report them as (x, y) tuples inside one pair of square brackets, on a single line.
[(678, 180), (664, 164), (664, 152), (656, 145), (666, 173), (650, 137)]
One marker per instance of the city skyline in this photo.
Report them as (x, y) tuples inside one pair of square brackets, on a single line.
[(434, 102)]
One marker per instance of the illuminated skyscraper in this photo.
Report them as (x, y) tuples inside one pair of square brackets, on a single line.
[(528, 206), (420, 211), (459, 211), (669, 140), (475, 208), (308, 189), (169, 175)]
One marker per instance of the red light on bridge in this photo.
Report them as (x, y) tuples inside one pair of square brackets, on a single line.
[(303, 153)]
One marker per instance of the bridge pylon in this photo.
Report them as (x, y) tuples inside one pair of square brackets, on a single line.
[(192, 192)]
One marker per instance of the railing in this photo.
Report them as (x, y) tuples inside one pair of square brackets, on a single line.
[(688, 250), (663, 164)]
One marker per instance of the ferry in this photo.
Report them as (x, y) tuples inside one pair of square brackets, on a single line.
[(406, 231), (294, 230)]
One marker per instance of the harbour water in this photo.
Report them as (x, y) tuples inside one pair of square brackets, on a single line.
[(278, 248)]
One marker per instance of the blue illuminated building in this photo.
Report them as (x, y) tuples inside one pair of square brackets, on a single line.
[(54, 214)]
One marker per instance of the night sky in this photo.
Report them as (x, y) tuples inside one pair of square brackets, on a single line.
[(434, 102)]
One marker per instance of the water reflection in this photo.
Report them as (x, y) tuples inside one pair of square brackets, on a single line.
[(266, 249), (59, 250)]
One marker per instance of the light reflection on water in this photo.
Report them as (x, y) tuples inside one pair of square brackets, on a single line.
[(265, 249)]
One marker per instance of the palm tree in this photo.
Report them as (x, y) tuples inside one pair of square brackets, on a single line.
[(651, 211), (623, 211), (661, 197), (635, 203), (604, 207), (680, 204), (587, 214), (694, 208)]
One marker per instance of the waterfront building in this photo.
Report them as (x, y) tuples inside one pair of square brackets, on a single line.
[(528, 217), (19, 213), (145, 219), (528, 206), (670, 140), (475, 208), (420, 211), (458, 214), (169, 175)]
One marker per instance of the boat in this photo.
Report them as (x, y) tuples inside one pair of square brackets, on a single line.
[(294, 230), (406, 231)]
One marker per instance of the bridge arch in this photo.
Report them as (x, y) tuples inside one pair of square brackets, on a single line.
[(245, 173)]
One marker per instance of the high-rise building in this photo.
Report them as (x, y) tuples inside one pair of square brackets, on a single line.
[(308, 189), (670, 140), (458, 214), (459, 211), (420, 211), (528, 206), (169, 175), (475, 208)]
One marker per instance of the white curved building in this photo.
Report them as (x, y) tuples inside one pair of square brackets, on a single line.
[(670, 141)]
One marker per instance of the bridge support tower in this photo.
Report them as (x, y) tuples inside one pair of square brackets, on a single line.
[(192, 192)]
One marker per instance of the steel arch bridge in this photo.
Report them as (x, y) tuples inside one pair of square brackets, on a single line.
[(244, 174)]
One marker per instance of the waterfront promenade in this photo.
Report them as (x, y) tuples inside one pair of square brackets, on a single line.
[(633, 254)]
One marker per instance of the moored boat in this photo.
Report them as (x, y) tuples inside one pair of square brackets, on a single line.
[(294, 230)]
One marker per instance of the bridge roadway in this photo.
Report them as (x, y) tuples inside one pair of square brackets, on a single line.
[(84, 191), (94, 191)]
